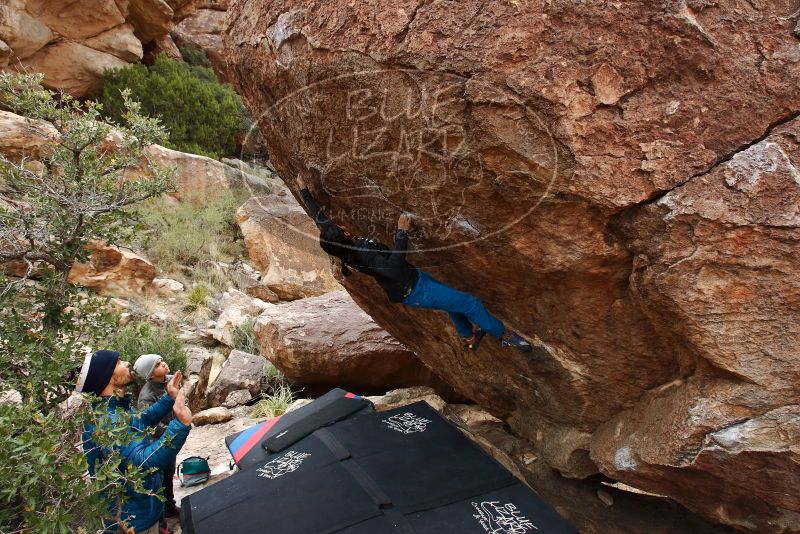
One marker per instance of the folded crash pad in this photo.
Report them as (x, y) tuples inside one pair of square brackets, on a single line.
[(248, 447)]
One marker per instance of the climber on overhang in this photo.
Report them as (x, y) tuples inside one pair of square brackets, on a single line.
[(404, 283)]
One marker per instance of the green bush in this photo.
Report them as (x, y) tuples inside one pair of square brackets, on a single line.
[(196, 297), (202, 115), (138, 338), (244, 338), (197, 229), (194, 56), (275, 404), (272, 374)]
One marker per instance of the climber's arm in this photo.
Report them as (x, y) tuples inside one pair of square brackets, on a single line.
[(400, 241), (313, 208)]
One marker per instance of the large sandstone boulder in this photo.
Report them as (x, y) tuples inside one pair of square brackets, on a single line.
[(151, 18), (587, 170), (163, 44), (198, 175), (329, 340), (240, 371), (73, 42), (76, 20), (716, 258), (184, 8), (22, 33), (283, 242), (22, 137), (113, 271), (73, 67), (118, 41)]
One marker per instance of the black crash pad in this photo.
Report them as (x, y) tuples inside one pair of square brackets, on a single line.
[(404, 471)]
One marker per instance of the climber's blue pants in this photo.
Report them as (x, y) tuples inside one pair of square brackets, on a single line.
[(464, 309)]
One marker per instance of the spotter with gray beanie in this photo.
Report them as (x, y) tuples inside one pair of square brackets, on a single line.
[(155, 372)]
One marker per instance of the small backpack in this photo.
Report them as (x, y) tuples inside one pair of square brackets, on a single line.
[(193, 471)]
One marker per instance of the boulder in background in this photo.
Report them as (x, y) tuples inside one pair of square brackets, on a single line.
[(240, 371), (113, 271), (328, 340)]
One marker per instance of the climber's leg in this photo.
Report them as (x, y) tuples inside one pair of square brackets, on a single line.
[(463, 307), (472, 342), (462, 324)]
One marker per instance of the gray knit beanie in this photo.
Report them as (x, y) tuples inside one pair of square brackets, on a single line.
[(145, 364)]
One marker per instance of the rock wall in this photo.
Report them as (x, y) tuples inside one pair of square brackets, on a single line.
[(203, 29), (72, 43), (617, 181)]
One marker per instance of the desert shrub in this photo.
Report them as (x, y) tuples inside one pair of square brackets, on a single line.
[(213, 277), (197, 229), (244, 338), (202, 115), (138, 338), (275, 404), (194, 56), (196, 297), (271, 373)]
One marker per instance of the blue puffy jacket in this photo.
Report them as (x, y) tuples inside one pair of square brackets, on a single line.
[(140, 511)]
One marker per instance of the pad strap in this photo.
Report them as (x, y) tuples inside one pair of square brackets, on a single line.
[(365, 481)]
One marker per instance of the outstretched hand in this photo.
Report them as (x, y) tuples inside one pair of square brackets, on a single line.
[(181, 409), (301, 184), (174, 385), (404, 222)]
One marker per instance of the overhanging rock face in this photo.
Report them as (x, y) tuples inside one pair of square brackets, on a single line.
[(619, 184)]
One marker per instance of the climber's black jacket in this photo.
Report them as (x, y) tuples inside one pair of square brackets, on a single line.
[(389, 267)]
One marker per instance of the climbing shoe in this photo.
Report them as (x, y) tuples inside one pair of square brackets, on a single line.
[(472, 342), (510, 339)]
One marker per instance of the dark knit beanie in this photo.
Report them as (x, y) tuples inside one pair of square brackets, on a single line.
[(97, 371)]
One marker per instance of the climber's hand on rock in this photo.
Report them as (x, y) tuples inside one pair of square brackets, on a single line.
[(404, 222), (174, 385), (301, 184), (181, 410)]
